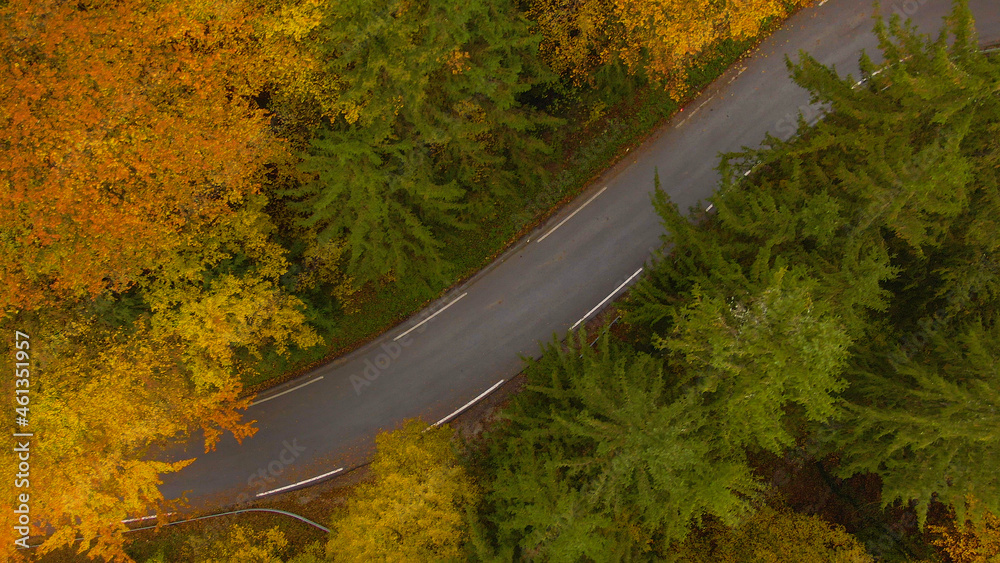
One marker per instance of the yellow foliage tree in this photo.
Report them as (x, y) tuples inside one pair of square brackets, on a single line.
[(105, 396), (240, 545), (99, 401), (773, 536), (288, 50), (575, 35), (220, 292), (321, 263), (413, 509)]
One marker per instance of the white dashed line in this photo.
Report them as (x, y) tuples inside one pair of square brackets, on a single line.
[(286, 487), (144, 518), (436, 313), (264, 400), (613, 293), (572, 214), (467, 405)]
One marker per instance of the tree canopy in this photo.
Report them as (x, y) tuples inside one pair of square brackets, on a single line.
[(414, 508), (425, 129), (882, 213), (188, 188)]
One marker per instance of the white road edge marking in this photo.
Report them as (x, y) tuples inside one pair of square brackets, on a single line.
[(552, 230), (266, 399), (690, 115), (613, 293), (151, 517), (286, 487), (436, 313), (466, 405)]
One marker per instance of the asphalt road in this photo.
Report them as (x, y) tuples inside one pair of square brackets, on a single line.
[(546, 282)]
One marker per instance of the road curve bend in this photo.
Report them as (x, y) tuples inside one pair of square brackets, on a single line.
[(473, 337)]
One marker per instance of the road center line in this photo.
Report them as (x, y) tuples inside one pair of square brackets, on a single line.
[(467, 405), (572, 214), (264, 400), (690, 115), (286, 487), (606, 299), (436, 313), (150, 517)]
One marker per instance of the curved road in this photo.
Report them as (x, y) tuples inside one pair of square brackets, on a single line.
[(474, 336)]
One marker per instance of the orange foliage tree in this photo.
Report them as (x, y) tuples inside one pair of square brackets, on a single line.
[(977, 540), (131, 158), (120, 123)]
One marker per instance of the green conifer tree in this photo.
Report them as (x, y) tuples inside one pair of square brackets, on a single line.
[(427, 131), (603, 460), (883, 217)]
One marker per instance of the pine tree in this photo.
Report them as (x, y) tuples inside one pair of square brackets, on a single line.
[(883, 217), (927, 420), (603, 459), (425, 131), (923, 389), (382, 204), (751, 362)]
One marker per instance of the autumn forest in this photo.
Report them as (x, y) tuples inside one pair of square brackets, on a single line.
[(199, 200)]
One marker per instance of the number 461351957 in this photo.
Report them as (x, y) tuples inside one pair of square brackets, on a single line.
[(22, 372)]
